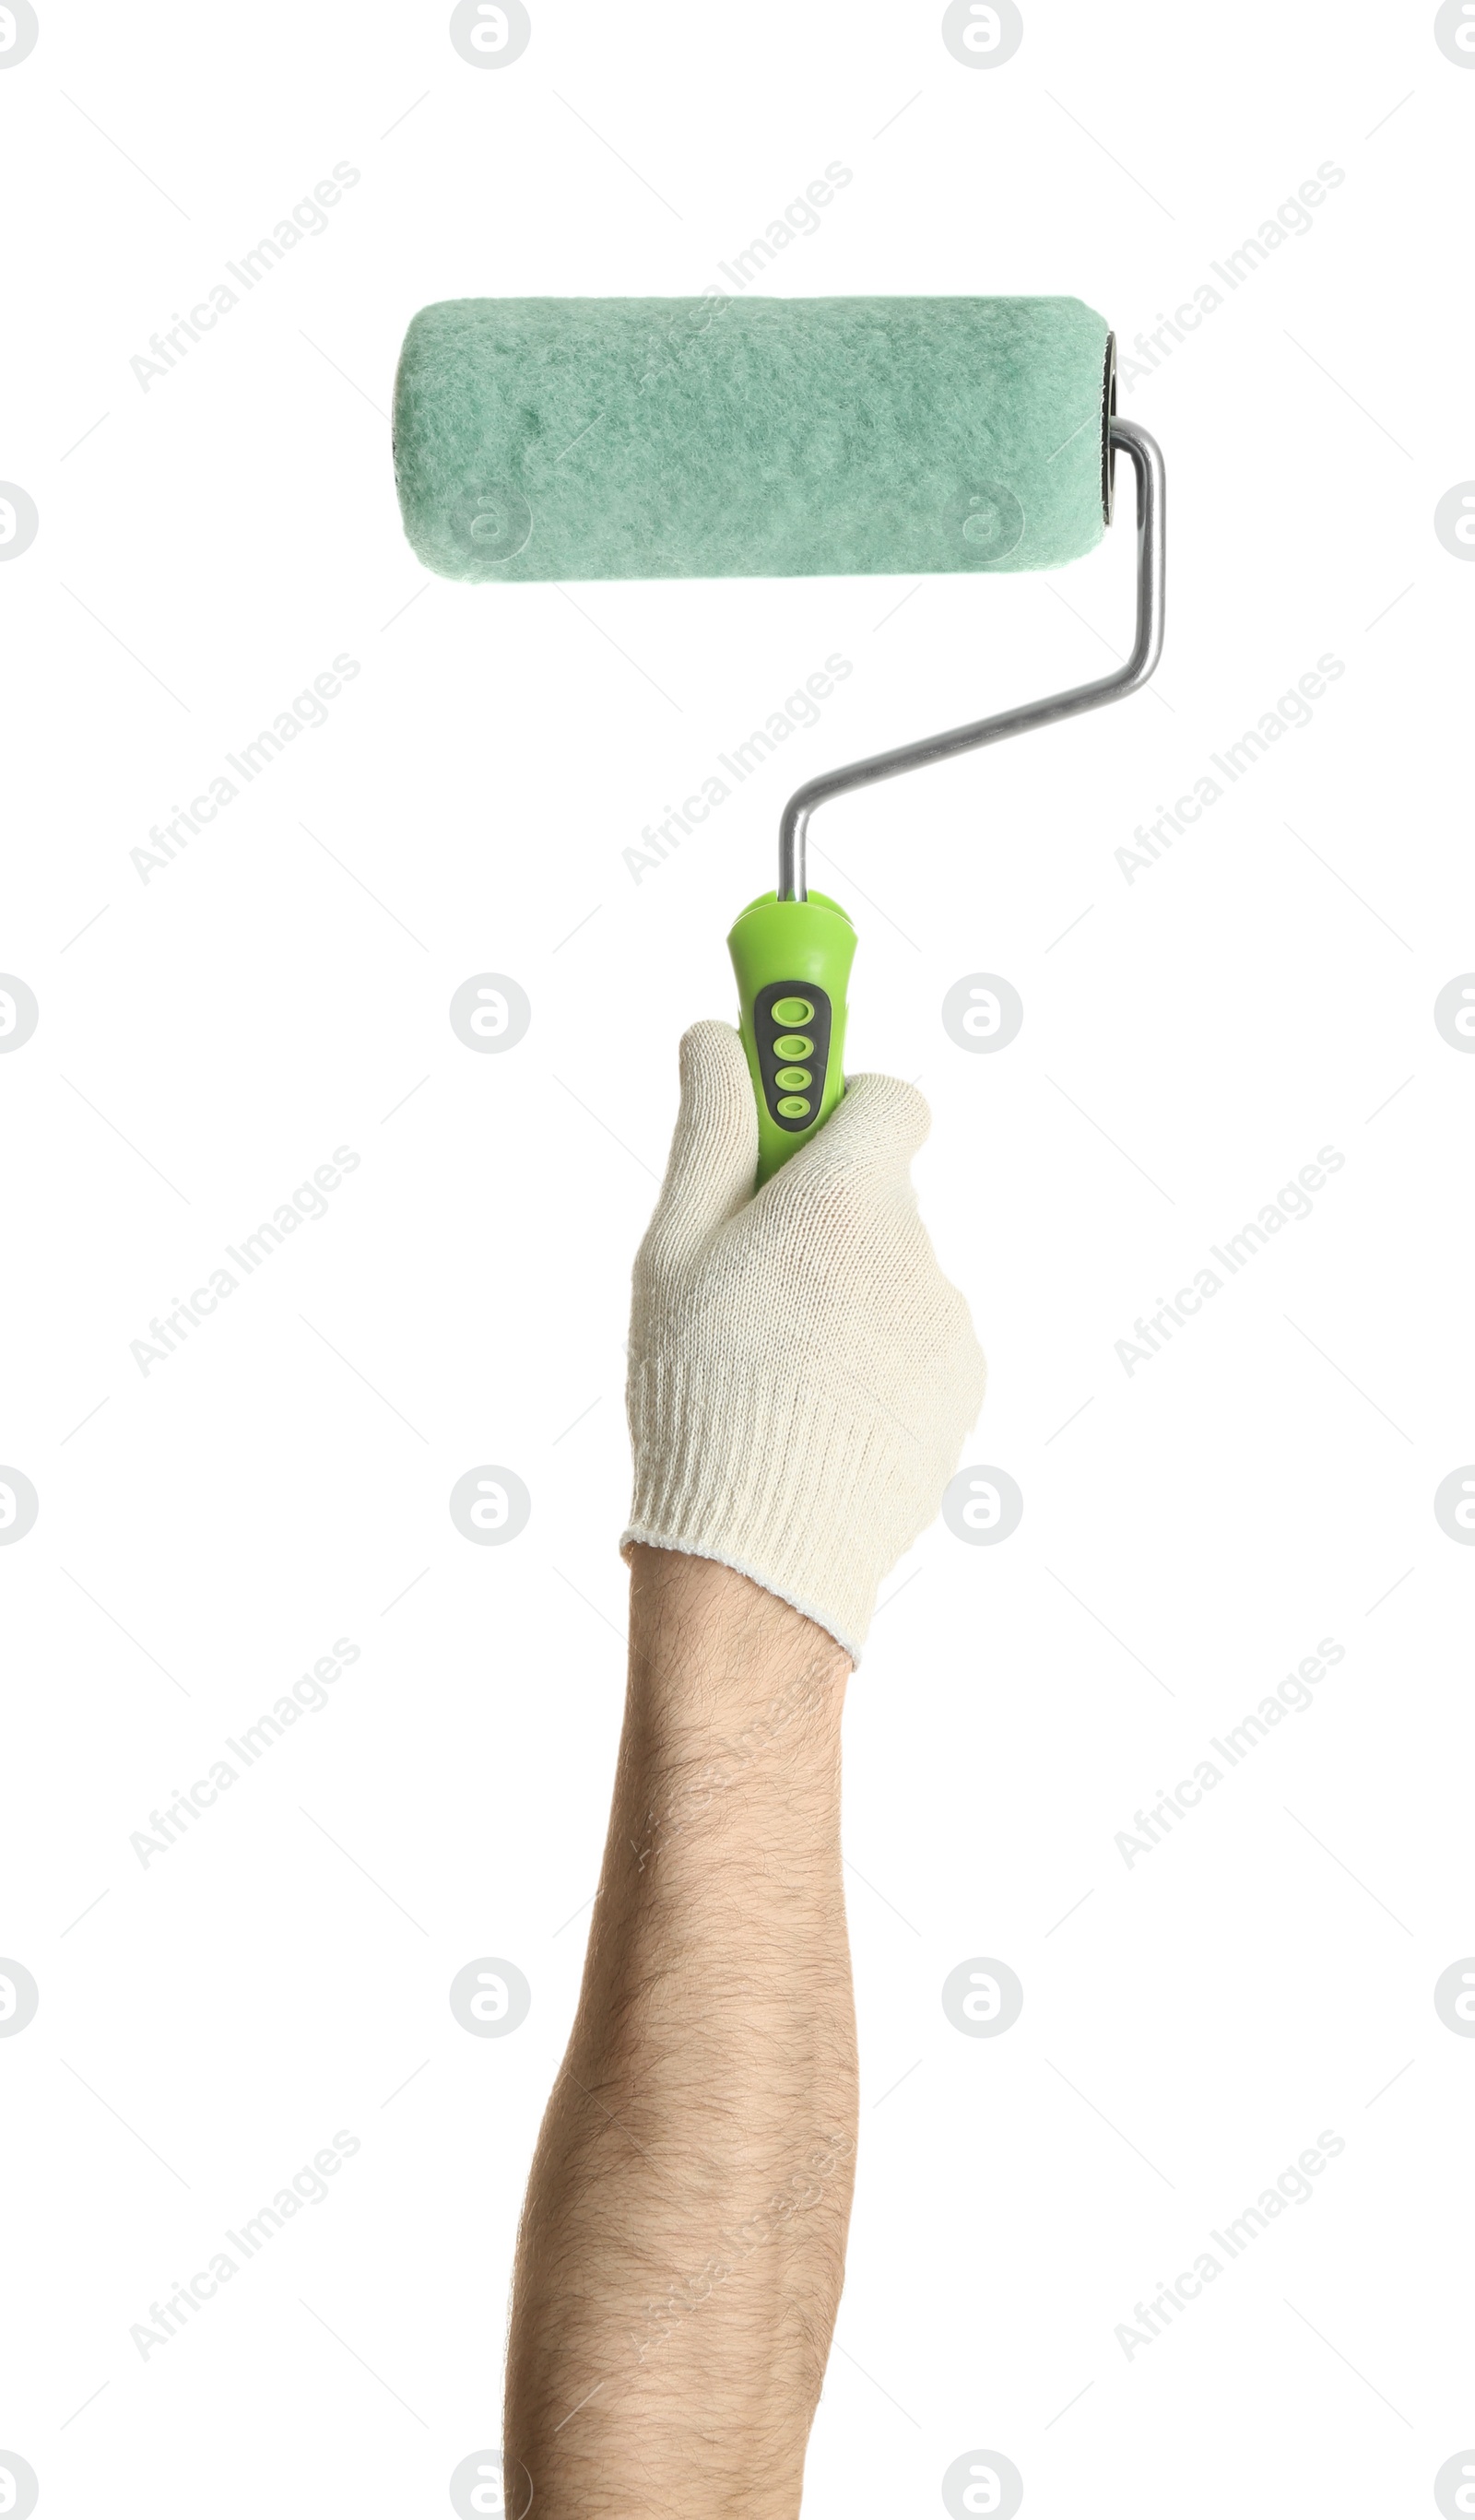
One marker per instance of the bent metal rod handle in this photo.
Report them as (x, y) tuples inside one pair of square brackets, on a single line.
[(1147, 648)]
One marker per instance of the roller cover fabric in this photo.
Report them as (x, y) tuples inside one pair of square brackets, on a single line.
[(595, 438)]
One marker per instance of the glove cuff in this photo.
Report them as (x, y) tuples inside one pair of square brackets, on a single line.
[(791, 1486)]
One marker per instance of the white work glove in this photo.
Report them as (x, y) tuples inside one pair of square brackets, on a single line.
[(801, 1373)]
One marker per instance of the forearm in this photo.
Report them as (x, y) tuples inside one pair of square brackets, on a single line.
[(683, 2243)]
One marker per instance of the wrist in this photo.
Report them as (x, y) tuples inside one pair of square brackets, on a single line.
[(733, 1722), (709, 1647)]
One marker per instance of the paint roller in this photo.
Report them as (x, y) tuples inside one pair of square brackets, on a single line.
[(579, 438)]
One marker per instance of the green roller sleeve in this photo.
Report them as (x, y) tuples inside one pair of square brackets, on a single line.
[(731, 436), (792, 962)]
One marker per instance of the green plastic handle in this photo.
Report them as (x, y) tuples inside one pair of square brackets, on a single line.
[(792, 961)]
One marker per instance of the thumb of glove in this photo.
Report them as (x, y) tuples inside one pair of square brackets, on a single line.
[(714, 1149)]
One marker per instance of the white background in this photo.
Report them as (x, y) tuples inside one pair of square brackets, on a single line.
[(209, 1037)]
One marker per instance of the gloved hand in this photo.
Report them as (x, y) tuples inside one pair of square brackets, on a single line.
[(801, 1373)]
